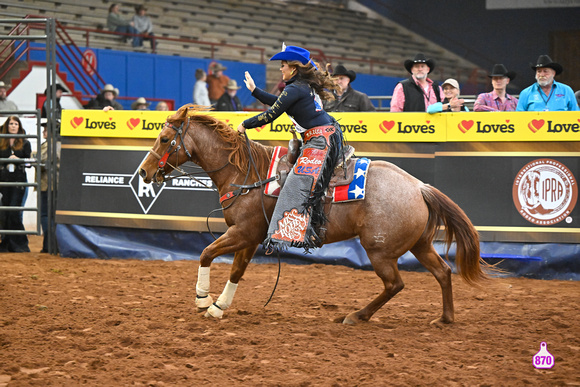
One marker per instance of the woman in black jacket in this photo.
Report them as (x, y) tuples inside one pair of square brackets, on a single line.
[(13, 148)]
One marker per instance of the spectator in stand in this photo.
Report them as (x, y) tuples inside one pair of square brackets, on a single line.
[(200, 92), (144, 26), (57, 108), (547, 94), (44, 187), (229, 101), (416, 93), (140, 104), (498, 100), (216, 82), (116, 23), (451, 103), (162, 106), (12, 196), (107, 97), (347, 99), (5, 103), (577, 94)]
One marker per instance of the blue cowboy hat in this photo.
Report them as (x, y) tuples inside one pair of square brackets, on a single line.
[(290, 53)]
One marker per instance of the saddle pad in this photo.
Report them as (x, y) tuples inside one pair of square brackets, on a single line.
[(356, 189), (273, 188)]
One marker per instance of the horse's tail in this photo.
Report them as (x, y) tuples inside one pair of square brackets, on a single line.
[(443, 211)]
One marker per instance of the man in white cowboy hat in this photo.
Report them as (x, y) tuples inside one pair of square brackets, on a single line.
[(5, 103), (229, 101), (498, 100), (140, 104), (547, 94), (347, 99), (105, 98), (216, 81), (416, 93)]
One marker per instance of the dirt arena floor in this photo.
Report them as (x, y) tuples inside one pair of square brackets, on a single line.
[(68, 322)]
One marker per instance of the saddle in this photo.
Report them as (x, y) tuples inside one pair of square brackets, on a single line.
[(343, 171)]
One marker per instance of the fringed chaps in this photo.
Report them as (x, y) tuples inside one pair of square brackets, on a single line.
[(299, 212)]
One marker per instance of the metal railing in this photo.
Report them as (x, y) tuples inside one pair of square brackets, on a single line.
[(23, 163), (49, 37)]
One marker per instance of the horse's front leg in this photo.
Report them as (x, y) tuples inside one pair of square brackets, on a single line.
[(231, 241), (241, 260)]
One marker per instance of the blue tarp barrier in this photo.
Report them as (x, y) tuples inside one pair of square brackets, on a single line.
[(530, 260)]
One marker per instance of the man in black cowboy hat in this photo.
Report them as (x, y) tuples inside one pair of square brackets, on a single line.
[(347, 99), (57, 108), (547, 94), (498, 100), (418, 92)]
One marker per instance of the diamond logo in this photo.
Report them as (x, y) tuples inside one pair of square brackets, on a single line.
[(146, 194)]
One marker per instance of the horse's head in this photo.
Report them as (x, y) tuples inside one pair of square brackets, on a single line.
[(169, 150)]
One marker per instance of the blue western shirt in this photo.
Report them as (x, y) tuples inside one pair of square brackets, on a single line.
[(561, 98), (297, 100)]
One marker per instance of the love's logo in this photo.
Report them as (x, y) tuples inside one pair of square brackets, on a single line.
[(76, 121), (385, 126), (133, 122), (536, 125), (465, 125)]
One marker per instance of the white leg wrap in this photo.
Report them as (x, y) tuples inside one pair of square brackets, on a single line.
[(224, 301), (203, 299), (202, 286)]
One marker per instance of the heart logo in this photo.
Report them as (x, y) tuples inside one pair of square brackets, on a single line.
[(133, 122), (428, 122), (508, 121), (385, 126), (360, 122), (76, 121), (465, 125), (261, 127), (535, 125), (227, 120)]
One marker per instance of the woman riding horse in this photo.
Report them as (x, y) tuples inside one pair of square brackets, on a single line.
[(299, 212)]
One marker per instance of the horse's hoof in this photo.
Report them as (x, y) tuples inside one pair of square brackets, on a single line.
[(351, 319), (203, 303), (214, 311), (441, 320)]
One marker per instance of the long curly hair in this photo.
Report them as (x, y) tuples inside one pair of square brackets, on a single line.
[(319, 80), (5, 141)]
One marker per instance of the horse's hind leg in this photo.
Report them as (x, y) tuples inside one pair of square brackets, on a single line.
[(426, 254), (388, 272)]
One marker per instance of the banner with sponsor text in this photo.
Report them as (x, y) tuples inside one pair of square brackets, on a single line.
[(357, 127)]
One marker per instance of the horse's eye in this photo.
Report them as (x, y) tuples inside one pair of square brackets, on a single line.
[(164, 140)]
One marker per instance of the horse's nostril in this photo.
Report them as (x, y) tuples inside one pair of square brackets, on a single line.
[(142, 173)]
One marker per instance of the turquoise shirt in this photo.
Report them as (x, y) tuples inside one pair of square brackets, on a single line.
[(561, 98)]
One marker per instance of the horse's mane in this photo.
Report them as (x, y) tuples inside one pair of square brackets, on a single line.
[(236, 144)]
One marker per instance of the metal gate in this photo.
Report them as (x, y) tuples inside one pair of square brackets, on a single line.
[(7, 43)]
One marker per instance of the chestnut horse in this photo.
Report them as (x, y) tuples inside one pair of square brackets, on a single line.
[(398, 214)]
